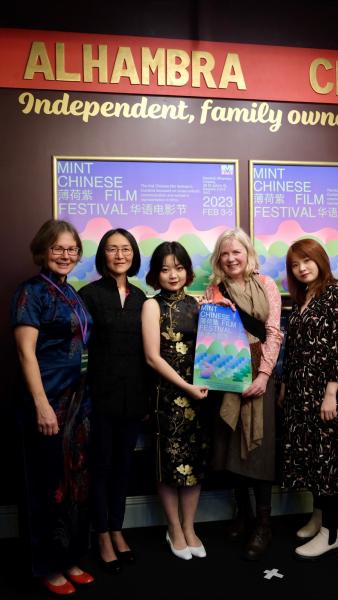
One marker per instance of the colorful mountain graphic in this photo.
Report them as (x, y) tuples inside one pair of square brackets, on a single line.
[(199, 245)]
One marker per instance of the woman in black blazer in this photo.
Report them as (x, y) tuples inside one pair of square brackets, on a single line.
[(118, 386)]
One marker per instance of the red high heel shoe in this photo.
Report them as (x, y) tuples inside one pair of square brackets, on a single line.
[(65, 589)]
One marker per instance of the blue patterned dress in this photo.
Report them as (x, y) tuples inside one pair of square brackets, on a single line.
[(53, 505)]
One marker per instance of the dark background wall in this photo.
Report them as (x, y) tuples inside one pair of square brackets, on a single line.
[(289, 22), (29, 141)]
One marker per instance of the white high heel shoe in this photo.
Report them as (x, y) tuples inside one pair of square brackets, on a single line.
[(312, 527), (198, 551), (184, 553)]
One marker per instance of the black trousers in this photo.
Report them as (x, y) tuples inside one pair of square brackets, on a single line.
[(113, 443), (53, 502)]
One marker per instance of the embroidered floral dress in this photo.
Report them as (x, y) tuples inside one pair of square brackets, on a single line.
[(54, 501), (311, 360), (182, 444)]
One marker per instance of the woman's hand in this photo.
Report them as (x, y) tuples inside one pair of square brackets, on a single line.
[(211, 298), (47, 420), (226, 302), (258, 386), (197, 392), (202, 300), (221, 302), (26, 338), (328, 409), (280, 399), (152, 350)]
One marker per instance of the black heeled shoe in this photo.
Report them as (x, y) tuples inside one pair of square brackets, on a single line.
[(113, 567), (127, 557)]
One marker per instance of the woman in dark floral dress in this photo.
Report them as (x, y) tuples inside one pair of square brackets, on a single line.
[(51, 328), (169, 324), (309, 392)]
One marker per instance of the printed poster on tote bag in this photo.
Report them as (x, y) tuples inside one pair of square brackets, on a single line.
[(222, 355)]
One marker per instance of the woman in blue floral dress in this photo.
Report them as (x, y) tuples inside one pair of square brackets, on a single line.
[(51, 329), (169, 325)]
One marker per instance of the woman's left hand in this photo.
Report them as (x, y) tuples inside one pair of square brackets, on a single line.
[(198, 392), (258, 386), (201, 300), (328, 409)]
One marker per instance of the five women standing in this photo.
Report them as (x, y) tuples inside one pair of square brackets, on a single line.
[(52, 330)]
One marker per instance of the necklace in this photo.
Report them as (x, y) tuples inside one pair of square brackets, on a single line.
[(82, 316)]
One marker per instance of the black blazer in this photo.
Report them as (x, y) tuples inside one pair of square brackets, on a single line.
[(118, 374)]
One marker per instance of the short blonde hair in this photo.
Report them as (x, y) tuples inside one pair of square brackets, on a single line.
[(238, 234)]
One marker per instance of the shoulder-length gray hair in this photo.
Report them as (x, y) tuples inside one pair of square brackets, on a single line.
[(241, 237)]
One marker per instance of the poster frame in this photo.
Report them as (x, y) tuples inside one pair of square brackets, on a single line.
[(149, 159), (252, 163)]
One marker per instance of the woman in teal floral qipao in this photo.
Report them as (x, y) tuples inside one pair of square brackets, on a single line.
[(169, 325)]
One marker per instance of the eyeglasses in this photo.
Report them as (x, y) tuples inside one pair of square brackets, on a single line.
[(59, 250), (125, 250)]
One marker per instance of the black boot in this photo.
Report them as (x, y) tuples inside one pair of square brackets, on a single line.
[(261, 535), (242, 523)]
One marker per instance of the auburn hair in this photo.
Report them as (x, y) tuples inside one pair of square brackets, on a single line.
[(47, 236), (308, 248)]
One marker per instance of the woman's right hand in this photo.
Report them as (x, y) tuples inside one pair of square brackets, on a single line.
[(227, 302), (220, 300), (26, 339), (197, 391), (46, 420)]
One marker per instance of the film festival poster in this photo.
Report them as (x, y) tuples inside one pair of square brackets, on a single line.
[(222, 356), (155, 199)]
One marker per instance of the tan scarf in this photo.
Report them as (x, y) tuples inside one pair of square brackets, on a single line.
[(252, 300)]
